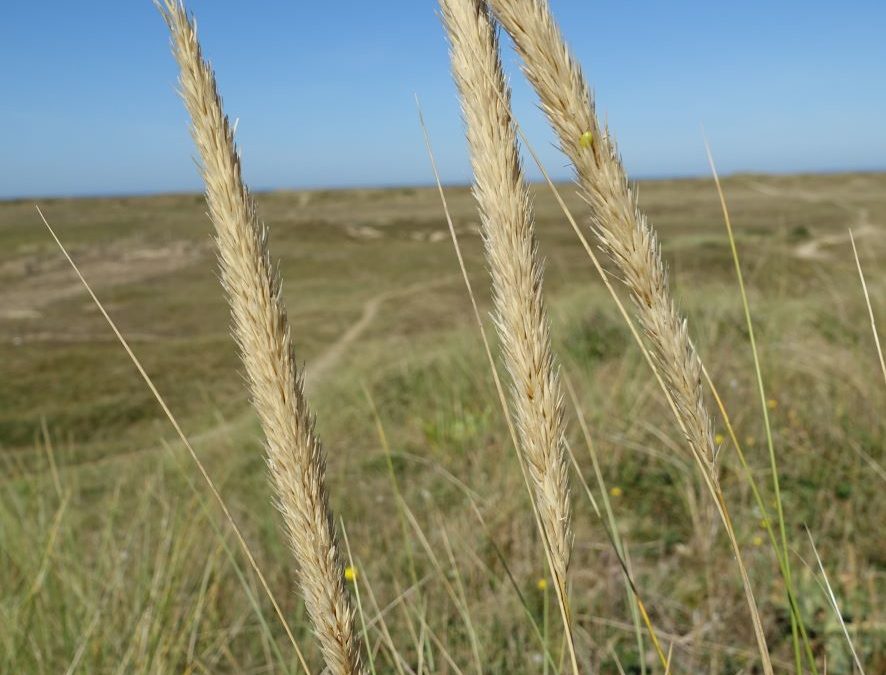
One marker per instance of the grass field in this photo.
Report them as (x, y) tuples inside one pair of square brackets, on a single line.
[(115, 559)]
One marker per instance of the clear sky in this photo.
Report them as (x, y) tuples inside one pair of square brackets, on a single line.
[(324, 90)]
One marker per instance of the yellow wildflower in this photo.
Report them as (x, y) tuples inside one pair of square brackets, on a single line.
[(772, 404), (719, 438), (757, 540), (542, 584), (350, 573), (616, 491)]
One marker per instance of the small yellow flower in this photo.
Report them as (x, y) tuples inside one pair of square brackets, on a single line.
[(764, 523), (350, 573), (542, 584), (586, 140), (757, 540), (719, 438), (772, 404), (616, 491), (750, 440)]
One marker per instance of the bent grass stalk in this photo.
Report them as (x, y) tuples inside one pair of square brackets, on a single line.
[(398, 498), (294, 453), (626, 236), (511, 251), (712, 486), (499, 387), (622, 229), (491, 360), (355, 577)]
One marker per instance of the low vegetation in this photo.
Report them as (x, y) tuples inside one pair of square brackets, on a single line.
[(620, 507)]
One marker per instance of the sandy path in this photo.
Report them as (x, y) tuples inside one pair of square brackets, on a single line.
[(330, 357), (334, 353), (812, 249), (32, 283), (319, 367)]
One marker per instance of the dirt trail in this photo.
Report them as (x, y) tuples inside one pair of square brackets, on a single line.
[(316, 370), (812, 249), (327, 360), (330, 357)]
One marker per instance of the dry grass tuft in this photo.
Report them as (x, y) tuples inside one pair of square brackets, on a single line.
[(261, 328)]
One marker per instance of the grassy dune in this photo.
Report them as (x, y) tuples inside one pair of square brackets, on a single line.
[(110, 561)]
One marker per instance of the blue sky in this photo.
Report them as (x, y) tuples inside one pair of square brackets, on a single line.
[(324, 90)]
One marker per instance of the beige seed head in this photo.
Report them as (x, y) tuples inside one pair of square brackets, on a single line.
[(623, 230), (294, 453), (625, 235), (511, 251)]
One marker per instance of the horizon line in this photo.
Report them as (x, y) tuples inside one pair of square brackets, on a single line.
[(416, 185)]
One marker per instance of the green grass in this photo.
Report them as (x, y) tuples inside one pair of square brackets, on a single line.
[(120, 561)]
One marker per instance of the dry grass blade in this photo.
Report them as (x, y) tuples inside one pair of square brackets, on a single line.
[(458, 601), (511, 251), (184, 439), (670, 654), (294, 453), (638, 608), (867, 299), (784, 557), (834, 605), (353, 567)]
